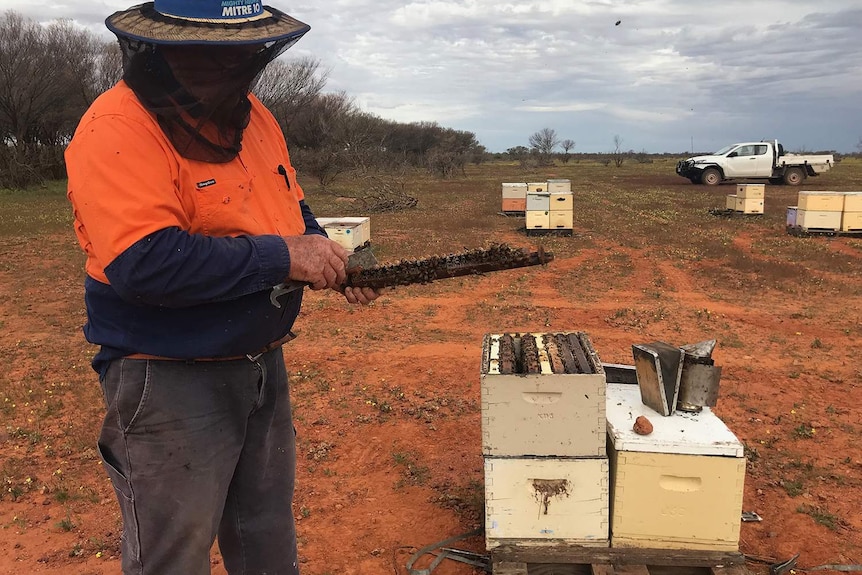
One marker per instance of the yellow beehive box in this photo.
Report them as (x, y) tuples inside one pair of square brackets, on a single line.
[(560, 201), (514, 204), (551, 411), (537, 220), (821, 201), (851, 222), (561, 220), (853, 202), (730, 202), (817, 219), (755, 191), (749, 205), (546, 501), (537, 187), (538, 201), (560, 186), (679, 487), (514, 190)]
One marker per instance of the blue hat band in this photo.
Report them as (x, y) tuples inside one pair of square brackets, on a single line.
[(225, 11)]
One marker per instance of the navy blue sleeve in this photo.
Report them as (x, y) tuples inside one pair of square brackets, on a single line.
[(311, 225), (173, 268)]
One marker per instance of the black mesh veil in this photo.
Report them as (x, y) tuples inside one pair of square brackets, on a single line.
[(204, 125)]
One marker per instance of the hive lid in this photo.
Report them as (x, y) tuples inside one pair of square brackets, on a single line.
[(681, 433)]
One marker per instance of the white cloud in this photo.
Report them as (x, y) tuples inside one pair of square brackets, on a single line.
[(669, 72)]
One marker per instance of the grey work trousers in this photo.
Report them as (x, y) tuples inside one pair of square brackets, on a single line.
[(199, 449)]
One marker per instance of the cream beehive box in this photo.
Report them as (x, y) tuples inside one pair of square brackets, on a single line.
[(561, 201), (753, 191), (537, 187), (818, 219), (679, 487), (546, 501), (514, 190), (853, 201), (560, 185), (851, 221), (730, 202), (543, 395), (749, 205), (537, 220), (561, 220), (821, 201)]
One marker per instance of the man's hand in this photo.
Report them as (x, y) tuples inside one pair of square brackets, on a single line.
[(362, 296), (316, 260)]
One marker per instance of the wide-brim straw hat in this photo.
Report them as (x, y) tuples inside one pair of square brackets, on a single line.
[(224, 22)]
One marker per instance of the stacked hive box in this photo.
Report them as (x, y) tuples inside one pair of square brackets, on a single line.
[(818, 211), (514, 197), (679, 487), (544, 441), (748, 199), (350, 232), (550, 206), (851, 217)]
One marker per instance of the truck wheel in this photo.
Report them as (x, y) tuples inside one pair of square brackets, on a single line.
[(710, 177), (793, 176)]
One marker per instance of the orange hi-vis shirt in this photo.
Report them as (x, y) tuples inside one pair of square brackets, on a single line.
[(181, 254), (125, 174)]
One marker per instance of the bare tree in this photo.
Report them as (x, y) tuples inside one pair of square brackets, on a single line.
[(618, 155), (567, 145), (543, 144), (288, 87), (109, 67)]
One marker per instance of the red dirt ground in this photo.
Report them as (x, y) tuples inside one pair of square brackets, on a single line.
[(388, 408)]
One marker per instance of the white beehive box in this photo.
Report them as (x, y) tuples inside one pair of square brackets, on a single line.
[(821, 201), (561, 185), (349, 232), (537, 220), (547, 413), (790, 216), (817, 219), (514, 191), (681, 486), (546, 501), (538, 201), (752, 191)]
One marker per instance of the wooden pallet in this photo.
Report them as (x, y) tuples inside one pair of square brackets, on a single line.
[(573, 560), (564, 232), (733, 213), (800, 231)]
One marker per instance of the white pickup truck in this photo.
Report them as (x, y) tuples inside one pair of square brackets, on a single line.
[(753, 161)]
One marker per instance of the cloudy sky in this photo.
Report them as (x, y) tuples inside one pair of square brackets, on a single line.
[(663, 75)]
